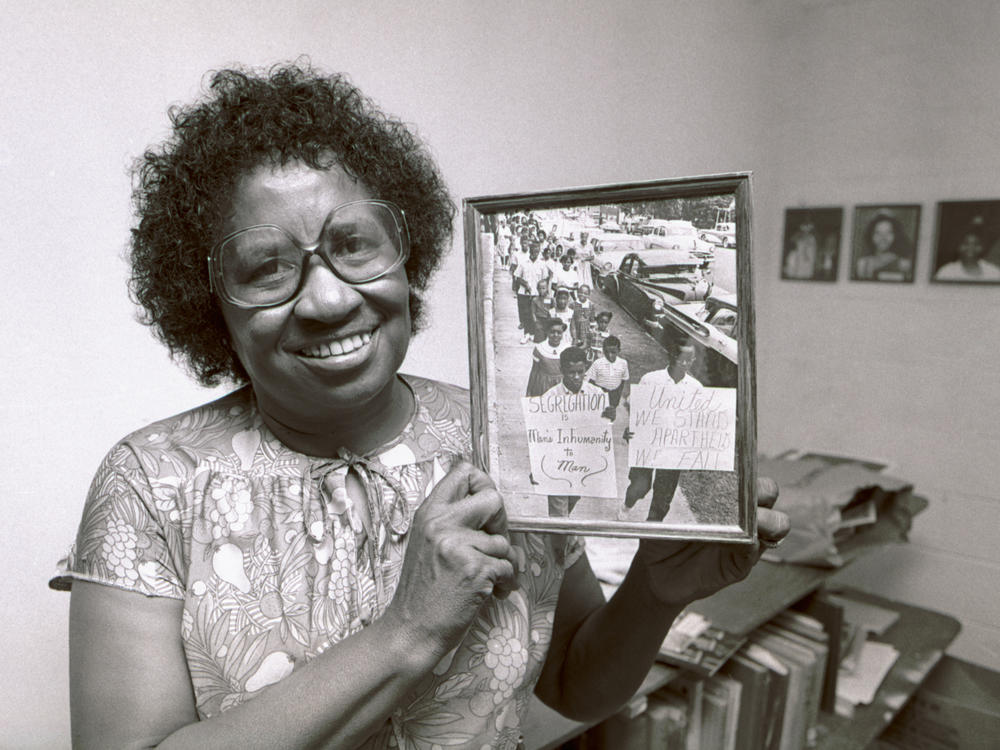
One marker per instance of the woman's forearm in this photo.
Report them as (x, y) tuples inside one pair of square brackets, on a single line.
[(130, 686), (336, 701), (611, 651)]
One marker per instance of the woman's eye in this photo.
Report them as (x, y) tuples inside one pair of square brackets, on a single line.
[(270, 270), (355, 248), (353, 244)]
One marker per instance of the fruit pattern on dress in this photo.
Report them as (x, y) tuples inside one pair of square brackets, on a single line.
[(274, 563)]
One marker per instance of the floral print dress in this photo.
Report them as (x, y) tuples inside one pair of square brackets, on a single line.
[(274, 564)]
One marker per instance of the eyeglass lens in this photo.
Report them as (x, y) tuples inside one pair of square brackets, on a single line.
[(264, 265)]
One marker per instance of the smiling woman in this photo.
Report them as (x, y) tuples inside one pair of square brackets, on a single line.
[(307, 561), (324, 347)]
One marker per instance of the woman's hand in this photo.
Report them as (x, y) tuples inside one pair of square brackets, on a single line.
[(458, 555), (681, 572)]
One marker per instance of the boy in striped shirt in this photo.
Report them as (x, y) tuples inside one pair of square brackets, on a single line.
[(610, 374)]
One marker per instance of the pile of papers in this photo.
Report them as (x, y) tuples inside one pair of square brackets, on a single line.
[(864, 662), (837, 506)]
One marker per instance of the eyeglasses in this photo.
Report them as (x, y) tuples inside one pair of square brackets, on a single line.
[(265, 266)]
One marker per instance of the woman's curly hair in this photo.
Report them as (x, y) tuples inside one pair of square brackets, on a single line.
[(181, 193)]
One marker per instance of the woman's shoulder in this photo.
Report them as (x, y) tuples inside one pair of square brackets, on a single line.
[(442, 401), (184, 439), (443, 418), (232, 410)]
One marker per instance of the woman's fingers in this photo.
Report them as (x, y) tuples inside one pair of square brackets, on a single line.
[(471, 519), (474, 500), (767, 492), (505, 575), (772, 527)]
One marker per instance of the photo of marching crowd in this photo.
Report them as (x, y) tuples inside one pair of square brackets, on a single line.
[(615, 350)]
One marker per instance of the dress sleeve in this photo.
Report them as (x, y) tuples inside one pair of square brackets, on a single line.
[(129, 536)]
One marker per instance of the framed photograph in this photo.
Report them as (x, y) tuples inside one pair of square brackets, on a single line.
[(885, 242), (611, 340), (812, 244), (968, 242)]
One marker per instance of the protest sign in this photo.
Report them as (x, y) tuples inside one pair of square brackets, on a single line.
[(569, 444), (682, 428)]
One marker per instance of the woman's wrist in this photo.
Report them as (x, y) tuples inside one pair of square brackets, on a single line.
[(413, 648), (652, 595)]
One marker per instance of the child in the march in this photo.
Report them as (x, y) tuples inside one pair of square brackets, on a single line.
[(598, 333), (563, 310), (545, 371), (503, 244), (541, 310), (566, 274), (551, 262), (583, 316), (517, 254), (609, 372)]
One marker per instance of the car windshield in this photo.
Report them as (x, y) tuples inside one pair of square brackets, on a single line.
[(725, 321), (660, 273), (611, 245)]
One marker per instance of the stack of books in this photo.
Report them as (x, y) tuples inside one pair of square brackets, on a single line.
[(761, 691)]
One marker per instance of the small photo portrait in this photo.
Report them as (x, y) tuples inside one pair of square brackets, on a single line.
[(968, 242), (885, 241), (812, 243)]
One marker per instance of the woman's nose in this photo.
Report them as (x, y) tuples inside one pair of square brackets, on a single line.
[(325, 296)]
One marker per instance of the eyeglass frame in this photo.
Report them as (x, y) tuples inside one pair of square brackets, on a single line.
[(217, 286)]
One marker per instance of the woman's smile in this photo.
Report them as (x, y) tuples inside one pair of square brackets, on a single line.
[(337, 348)]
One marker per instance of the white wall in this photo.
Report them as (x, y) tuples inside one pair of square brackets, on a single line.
[(889, 101), (827, 102)]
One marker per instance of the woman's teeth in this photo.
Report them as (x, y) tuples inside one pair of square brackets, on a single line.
[(339, 347)]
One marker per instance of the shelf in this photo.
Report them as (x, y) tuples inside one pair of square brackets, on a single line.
[(921, 637)]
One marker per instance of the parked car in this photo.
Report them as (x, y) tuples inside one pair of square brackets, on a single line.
[(713, 326), (724, 236), (677, 234), (646, 281), (608, 243)]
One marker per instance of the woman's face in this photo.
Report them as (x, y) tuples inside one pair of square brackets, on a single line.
[(333, 348), (970, 248), (555, 335), (883, 235)]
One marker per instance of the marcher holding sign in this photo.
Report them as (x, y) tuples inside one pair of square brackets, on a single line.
[(660, 387), (569, 439)]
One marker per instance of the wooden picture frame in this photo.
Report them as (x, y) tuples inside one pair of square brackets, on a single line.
[(671, 261), (811, 250), (885, 242), (971, 224)]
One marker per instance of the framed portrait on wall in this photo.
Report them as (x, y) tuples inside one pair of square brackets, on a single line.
[(968, 242), (811, 250), (885, 242), (612, 369)]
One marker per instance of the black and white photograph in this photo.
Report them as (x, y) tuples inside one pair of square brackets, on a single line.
[(885, 243), (611, 350), (513, 376), (967, 246), (811, 249)]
